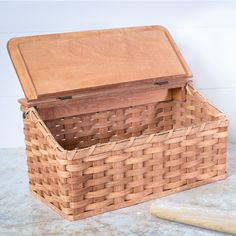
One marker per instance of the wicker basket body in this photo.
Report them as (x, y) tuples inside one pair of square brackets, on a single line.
[(89, 164)]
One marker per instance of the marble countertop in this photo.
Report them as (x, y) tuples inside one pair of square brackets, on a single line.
[(22, 214)]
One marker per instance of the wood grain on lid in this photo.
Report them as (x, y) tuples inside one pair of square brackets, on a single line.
[(65, 63)]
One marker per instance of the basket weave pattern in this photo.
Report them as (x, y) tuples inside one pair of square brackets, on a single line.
[(88, 164)]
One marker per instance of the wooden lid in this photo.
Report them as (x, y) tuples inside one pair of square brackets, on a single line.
[(51, 65)]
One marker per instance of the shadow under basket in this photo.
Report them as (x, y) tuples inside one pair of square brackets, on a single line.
[(88, 164)]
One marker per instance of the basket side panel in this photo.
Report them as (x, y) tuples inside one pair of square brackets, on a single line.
[(157, 165), (47, 175), (113, 125)]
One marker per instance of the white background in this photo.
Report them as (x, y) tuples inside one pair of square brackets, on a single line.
[(205, 32)]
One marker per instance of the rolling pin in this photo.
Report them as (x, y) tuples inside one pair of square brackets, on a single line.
[(200, 216)]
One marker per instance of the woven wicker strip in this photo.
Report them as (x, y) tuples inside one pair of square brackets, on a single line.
[(93, 163)]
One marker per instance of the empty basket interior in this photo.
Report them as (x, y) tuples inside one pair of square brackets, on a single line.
[(84, 130)]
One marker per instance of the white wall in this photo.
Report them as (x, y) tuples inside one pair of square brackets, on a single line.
[(204, 31)]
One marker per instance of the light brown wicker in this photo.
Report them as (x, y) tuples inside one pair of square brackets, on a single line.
[(88, 164), (110, 119)]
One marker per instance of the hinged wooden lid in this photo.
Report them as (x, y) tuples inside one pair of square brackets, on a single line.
[(52, 65)]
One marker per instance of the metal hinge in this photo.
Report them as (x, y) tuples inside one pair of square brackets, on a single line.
[(64, 97), (161, 82)]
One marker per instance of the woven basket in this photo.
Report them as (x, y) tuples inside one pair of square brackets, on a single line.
[(88, 164)]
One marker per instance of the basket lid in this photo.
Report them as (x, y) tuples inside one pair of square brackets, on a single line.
[(50, 65)]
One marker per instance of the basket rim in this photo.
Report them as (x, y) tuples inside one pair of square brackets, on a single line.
[(70, 154)]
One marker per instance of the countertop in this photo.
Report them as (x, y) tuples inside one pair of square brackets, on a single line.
[(22, 214)]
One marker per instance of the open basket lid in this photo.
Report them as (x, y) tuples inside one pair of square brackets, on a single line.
[(62, 64)]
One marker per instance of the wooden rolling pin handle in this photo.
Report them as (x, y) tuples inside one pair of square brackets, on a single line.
[(204, 217)]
